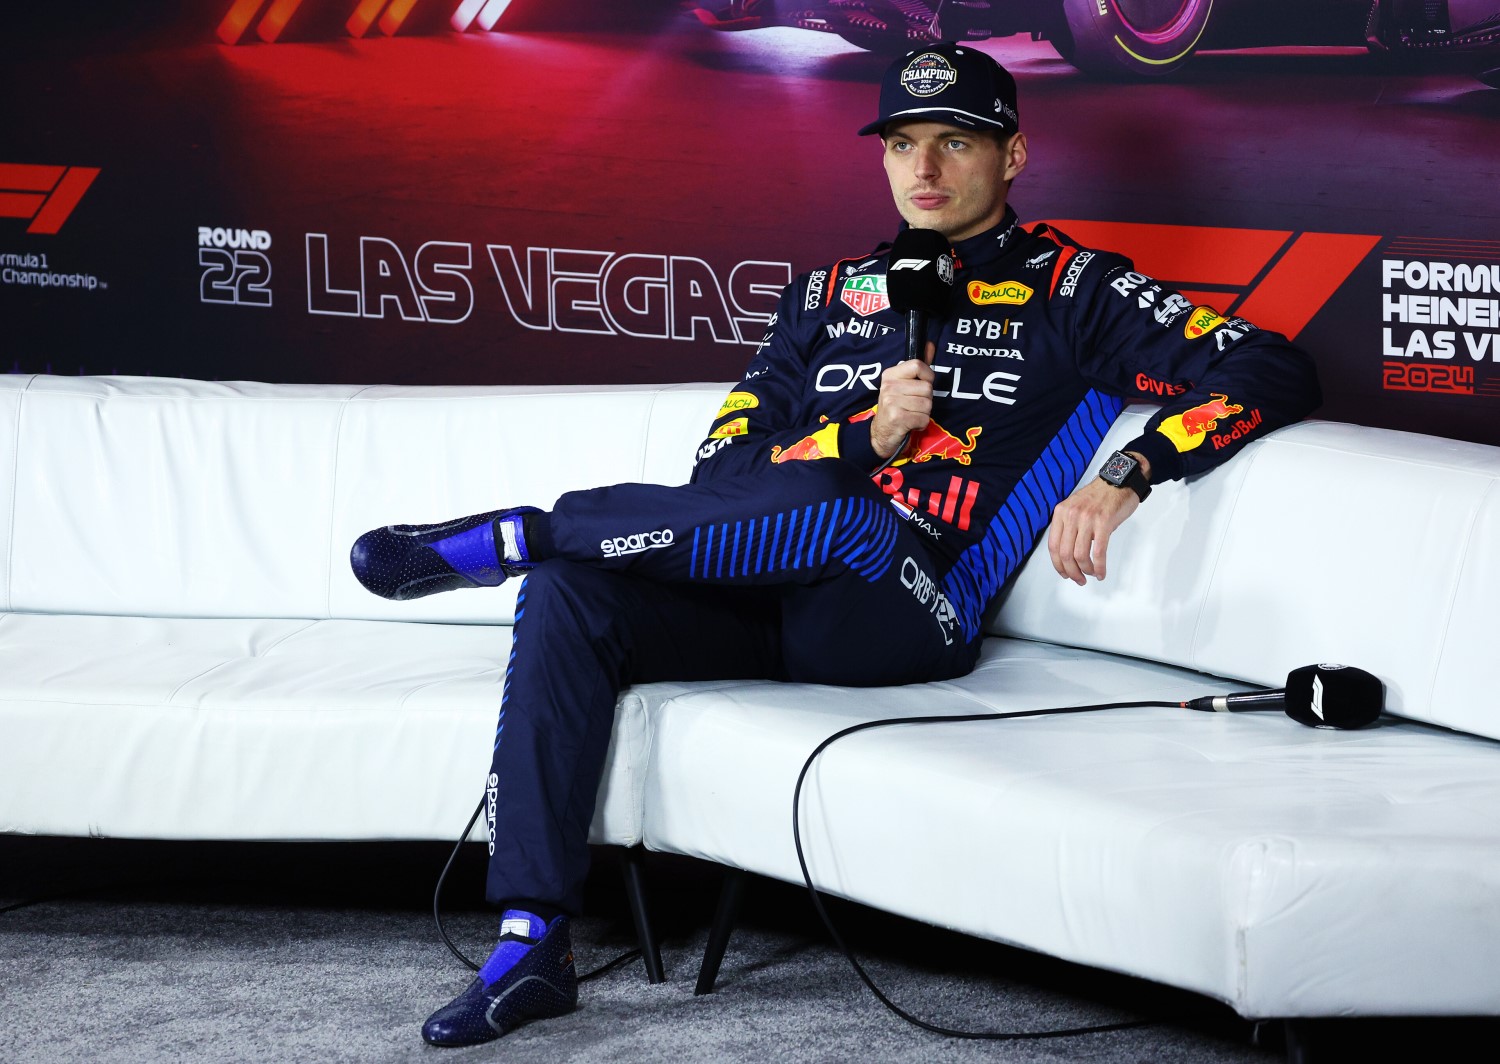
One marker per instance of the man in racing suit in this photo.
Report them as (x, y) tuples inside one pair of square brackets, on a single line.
[(844, 496)]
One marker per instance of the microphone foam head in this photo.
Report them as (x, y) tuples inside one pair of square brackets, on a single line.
[(919, 274), (1333, 696)]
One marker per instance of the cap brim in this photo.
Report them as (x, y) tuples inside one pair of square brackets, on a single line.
[(963, 119)]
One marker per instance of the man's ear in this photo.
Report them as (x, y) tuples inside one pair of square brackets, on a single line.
[(1015, 156)]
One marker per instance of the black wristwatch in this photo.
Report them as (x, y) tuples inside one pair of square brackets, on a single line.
[(1123, 471)]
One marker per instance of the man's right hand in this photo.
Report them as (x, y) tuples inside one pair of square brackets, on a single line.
[(905, 403)]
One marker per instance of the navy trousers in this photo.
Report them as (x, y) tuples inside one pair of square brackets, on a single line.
[(804, 572)]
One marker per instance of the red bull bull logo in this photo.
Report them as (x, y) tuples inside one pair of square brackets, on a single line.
[(931, 442), (1205, 416), (934, 441), (1189, 428), (821, 444)]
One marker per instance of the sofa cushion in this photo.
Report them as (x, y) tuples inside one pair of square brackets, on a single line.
[(264, 729), (177, 498), (170, 498), (1285, 870)]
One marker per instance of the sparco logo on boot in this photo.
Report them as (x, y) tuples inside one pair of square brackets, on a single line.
[(635, 543), (928, 74)]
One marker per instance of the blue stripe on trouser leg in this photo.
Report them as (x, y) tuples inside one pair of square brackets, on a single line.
[(586, 633), (795, 523)]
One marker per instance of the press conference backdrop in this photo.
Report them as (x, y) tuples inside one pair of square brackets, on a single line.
[(580, 191)]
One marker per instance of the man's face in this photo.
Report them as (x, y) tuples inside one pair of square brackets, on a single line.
[(950, 179)]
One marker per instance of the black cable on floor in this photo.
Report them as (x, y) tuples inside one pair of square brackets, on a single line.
[(437, 894), (997, 1036)]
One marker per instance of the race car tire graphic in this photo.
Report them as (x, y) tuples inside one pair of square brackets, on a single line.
[(877, 29), (891, 42), (1131, 38)]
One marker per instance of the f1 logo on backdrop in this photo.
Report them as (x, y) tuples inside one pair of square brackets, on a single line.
[(44, 194), (1276, 279)]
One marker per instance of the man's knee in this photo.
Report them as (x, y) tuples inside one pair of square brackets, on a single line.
[(559, 592)]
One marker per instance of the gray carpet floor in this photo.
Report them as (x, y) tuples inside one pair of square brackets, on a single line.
[(204, 952)]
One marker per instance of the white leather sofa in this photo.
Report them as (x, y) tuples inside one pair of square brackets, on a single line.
[(184, 654)]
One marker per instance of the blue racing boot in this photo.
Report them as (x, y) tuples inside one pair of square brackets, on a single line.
[(409, 561), (530, 976)]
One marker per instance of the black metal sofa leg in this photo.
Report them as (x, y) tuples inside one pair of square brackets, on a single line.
[(632, 858), (730, 895)]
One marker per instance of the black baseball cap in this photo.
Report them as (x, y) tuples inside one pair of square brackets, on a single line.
[(948, 83)]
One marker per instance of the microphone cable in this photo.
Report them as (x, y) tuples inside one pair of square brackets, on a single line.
[(883, 466), (995, 1036), (437, 913)]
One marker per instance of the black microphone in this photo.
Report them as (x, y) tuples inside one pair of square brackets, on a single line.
[(918, 280), (1319, 696)]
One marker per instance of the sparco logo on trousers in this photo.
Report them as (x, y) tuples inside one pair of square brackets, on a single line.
[(491, 791), (634, 544)]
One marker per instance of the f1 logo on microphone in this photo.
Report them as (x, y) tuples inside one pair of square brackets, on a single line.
[(944, 266)]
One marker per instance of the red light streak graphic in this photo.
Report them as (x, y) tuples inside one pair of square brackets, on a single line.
[(492, 12), (275, 21), (394, 15), (463, 18), (238, 17), (364, 15)]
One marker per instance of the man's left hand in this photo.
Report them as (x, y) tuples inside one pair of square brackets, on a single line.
[(1081, 526)]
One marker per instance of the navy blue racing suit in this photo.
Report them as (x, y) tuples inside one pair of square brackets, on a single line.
[(785, 559)]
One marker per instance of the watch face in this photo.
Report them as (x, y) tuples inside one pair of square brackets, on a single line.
[(1118, 468)]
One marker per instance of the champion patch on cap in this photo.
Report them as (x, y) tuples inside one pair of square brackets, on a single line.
[(928, 74), (947, 83)]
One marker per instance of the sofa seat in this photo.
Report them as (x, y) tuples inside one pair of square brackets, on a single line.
[(224, 728), (1284, 870)]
